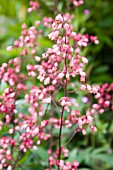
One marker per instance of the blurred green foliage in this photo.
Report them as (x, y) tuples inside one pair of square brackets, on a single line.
[(93, 151)]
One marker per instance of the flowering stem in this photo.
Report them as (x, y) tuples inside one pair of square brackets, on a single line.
[(55, 104), (75, 131), (46, 111), (13, 134), (65, 93), (73, 91), (60, 133)]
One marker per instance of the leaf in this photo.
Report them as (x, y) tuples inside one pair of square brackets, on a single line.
[(101, 78), (44, 42), (84, 155), (101, 69), (98, 150), (72, 155), (3, 86), (108, 159), (42, 153), (106, 22), (25, 158), (21, 106), (34, 166)]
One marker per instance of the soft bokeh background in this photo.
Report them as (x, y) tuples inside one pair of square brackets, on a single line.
[(94, 151)]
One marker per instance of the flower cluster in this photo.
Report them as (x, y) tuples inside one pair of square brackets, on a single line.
[(104, 99), (6, 144), (27, 40), (77, 2), (47, 22), (63, 165), (34, 6)]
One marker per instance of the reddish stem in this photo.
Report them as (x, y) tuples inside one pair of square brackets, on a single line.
[(61, 118)]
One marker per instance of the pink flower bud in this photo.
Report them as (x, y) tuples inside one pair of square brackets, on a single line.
[(37, 23), (83, 131), (106, 104), (11, 131), (37, 58), (9, 48), (85, 60), (59, 18), (24, 26), (47, 100), (61, 75), (83, 87), (29, 10), (47, 81)]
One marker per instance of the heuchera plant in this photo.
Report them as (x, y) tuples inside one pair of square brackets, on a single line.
[(46, 112)]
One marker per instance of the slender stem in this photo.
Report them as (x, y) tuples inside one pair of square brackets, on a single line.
[(46, 111), (34, 156), (60, 133), (75, 131), (73, 91), (61, 118), (13, 134), (55, 104), (16, 162), (55, 7)]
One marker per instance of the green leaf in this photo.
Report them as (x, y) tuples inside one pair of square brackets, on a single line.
[(82, 155), (108, 159), (42, 153), (101, 69), (34, 166), (44, 42), (98, 150), (72, 155), (3, 86), (21, 106)]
